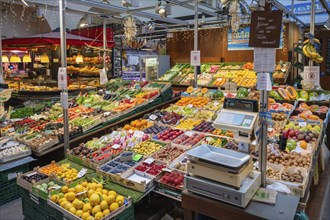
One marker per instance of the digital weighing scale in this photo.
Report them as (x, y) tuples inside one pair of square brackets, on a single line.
[(241, 117), (218, 191)]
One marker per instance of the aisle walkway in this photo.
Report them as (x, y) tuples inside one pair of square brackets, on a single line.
[(12, 210)]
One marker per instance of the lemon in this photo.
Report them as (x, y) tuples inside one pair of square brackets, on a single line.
[(65, 189), (95, 199), (70, 196), (73, 210), (96, 209), (84, 184), (104, 204), (105, 191), (111, 192), (61, 200), (85, 215), (114, 206), (93, 186), (79, 188), (90, 218), (63, 204), (54, 198), (98, 216), (79, 213), (104, 196), (78, 204), (68, 206), (110, 199), (120, 200), (71, 190), (99, 185), (106, 212), (87, 208), (99, 190)]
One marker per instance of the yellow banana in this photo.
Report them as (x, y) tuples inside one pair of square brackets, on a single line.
[(306, 41), (317, 40), (305, 51), (310, 50)]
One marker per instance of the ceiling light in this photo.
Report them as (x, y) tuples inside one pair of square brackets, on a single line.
[(44, 58), (5, 59), (15, 59), (79, 58), (24, 2), (27, 58)]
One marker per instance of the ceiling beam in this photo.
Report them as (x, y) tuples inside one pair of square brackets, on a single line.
[(113, 8), (191, 7), (325, 6), (278, 5)]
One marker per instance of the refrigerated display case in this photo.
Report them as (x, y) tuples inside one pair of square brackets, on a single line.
[(155, 66)]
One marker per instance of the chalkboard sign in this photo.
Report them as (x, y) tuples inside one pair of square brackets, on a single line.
[(265, 29), (328, 57)]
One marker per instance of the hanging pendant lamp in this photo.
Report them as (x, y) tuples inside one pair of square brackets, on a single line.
[(5, 59), (15, 59)]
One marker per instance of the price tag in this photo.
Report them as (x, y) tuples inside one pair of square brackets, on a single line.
[(82, 172), (283, 70), (166, 170), (269, 129), (138, 134), (216, 103), (62, 78), (11, 129), (31, 174), (149, 160), (83, 192), (302, 124), (115, 146), (137, 157), (127, 96), (153, 117), (190, 105), (107, 92), (189, 133)]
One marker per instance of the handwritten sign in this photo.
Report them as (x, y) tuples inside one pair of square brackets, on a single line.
[(265, 29)]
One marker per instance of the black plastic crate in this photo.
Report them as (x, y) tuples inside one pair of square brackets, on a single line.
[(9, 192), (11, 174)]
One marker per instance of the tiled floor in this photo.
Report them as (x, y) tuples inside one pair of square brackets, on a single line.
[(12, 210)]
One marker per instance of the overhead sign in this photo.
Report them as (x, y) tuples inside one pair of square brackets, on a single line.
[(195, 58), (265, 29), (312, 75)]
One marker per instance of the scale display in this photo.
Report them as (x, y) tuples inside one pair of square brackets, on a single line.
[(235, 119)]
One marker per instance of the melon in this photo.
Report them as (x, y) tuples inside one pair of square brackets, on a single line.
[(283, 94)]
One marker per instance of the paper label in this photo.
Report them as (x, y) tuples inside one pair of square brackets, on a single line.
[(62, 78), (138, 134), (82, 172), (64, 100), (264, 82), (107, 92), (103, 77), (189, 133), (127, 96), (166, 170), (264, 59), (195, 58), (153, 117), (190, 105), (312, 75), (149, 160), (115, 146), (137, 157), (31, 174), (302, 124), (216, 103)]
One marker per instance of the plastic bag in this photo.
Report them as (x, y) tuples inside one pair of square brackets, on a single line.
[(279, 187)]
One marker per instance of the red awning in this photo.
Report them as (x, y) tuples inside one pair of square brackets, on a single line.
[(53, 38)]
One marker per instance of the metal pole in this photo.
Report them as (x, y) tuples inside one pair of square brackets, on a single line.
[(1, 69), (196, 40), (263, 141), (63, 64), (104, 42)]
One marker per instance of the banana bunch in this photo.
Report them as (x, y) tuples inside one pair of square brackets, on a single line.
[(310, 51)]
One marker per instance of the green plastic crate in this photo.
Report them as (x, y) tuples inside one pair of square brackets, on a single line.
[(167, 94), (10, 174), (9, 191), (128, 214)]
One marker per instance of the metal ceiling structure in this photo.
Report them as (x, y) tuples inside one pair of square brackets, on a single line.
[(182, 10)]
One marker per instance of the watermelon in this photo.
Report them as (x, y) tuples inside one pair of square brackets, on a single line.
[(218, 94)]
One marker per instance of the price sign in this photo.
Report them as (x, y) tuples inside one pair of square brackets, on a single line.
[(149, 160), (62, 78), (64, 100), (263, 82), (115, 146), (153, 117), (195, 58), (138, 134), (189, 133), (302, 124), (82, 172), (312, 75), (265, 29)]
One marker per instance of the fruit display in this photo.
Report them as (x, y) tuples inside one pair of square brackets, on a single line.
[(215, 141), (273, 173), (309, 133), (153, 168), (182, 110), (147, 147), (34, 177), (188, 123), (119, 165), (168, 76), (155, 129), (66, 173), (180, 163), (173, 179), (313, 108), (204, 79), (206, 127), (51, 169), (138, 125), (309, 50), (231, 67), (279, 120), (253, 95), (197, 102), (213, 105), (189, 139), (288, 159), (286, 107), (168, 154), (189, 77), (88, 200), (218, 81), (281, 71), (204, 115), (168, 135), (169, 118), (48, 187), (245, 78)]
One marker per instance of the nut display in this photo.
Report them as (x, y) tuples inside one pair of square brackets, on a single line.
[(273, 174), (295, 177), (289, 159)]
